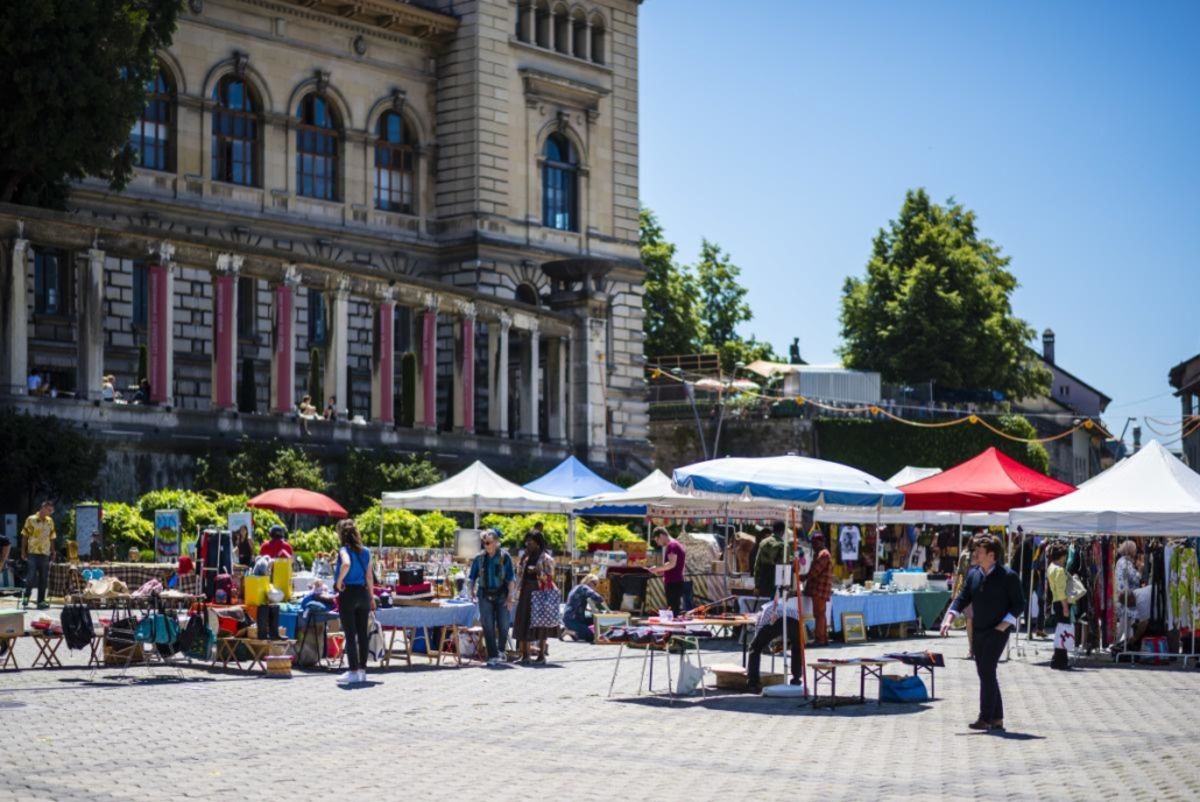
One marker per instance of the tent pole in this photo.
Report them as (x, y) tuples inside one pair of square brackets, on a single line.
[(381, 523)]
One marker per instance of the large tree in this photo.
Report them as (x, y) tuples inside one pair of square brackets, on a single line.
[(671, 302), (935, 306), (75, 73), (722, 295)]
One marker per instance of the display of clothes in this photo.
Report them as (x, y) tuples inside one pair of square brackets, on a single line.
[(1182, 585), (848, 543)]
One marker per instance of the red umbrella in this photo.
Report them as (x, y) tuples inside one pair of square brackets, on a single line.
[(989, 482), (297, 500)]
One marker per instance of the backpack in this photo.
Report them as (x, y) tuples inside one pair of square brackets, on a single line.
[(225, 583), (77, 626)]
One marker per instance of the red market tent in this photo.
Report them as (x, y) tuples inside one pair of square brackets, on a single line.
[(989, 482), (298, 500)]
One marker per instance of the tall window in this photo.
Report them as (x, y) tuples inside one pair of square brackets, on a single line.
[(141, 295), (395, 165), (235, 133), (247, 306), (51, 283), (560, 185), (151, 134), (598, 40), (316, 318), (316, 149)]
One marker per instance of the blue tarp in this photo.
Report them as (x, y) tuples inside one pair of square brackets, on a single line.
[(571, 479)]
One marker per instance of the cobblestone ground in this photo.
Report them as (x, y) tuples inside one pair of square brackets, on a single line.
[(551, 732)]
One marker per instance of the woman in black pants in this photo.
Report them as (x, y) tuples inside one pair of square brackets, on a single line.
[(356, 598)]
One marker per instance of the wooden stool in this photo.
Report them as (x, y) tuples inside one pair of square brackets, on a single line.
[(47, 643), (227, 652), (10, 656)]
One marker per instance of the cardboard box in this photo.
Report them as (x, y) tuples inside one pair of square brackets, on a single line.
[(12, 623)]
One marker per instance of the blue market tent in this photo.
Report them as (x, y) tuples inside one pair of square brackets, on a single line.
[(571, 479)]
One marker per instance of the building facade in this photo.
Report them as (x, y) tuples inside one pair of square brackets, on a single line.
[(1185, 380), (326, 187)]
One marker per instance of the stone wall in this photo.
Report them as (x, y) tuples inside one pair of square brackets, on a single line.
[(676, 442)]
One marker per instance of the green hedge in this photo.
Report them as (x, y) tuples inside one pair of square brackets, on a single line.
[(123, 526), (513, 529), (882, 447)]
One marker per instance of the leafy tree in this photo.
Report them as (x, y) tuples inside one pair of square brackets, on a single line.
[(672, 299), (934, 306), (43, 457), (256, 467), (745, 351), (364, 476), (294, 468), (75, 75), (723, 299), (195, 510)]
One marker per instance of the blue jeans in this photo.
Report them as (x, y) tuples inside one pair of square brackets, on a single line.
[(37, 575), (493, 616), (578, 628)]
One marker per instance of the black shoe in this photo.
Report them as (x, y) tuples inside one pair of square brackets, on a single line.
[(754, 689), (796, 681), (980, 725), (998, 724)]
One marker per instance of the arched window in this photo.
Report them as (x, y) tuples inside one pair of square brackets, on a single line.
[(579, 35), (541, 24), (528, 294), (598, 40), (235, 133), (317, 149), (151, 136), (524, 20), (395, 165), (560, 184), (562, 30)]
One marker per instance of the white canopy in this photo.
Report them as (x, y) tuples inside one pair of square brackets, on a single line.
[(912, 517), (476, 489), (911, 473), (1151, 493)]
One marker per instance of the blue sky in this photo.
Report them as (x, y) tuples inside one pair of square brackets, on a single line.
[(788, 132)]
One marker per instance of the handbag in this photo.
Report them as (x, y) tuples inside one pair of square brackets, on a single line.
[(1064, 635), (902, 689), (1075, 588), (376, 648), (544, 609)]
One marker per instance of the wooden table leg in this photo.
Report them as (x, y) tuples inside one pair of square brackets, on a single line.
[(10, 655)]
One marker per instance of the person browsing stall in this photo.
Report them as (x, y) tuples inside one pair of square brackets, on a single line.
[(276, 547), (1060, 605), (769, 555), (576, 617), (356, 598), (671, 570), (535, 572), (819, 586), (491, 581), (994, 591), (769, 627), (37, 549)]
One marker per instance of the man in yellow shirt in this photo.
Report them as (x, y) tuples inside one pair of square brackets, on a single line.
[(37, 549)]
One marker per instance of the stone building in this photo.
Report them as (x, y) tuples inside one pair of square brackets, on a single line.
[(455, 179)]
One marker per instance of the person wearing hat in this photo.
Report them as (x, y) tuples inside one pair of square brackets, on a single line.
[(491, 581), (276, 547), (819, 586), (575, 619)]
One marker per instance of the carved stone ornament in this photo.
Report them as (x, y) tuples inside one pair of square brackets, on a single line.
[(561, 121), (360, 45), (506, 321), (343, 284), (291, 276), (322, 77), (164, 252), (196, 6), (387, 293), (229, 263), (398, 99), (465, 309), (240, 62)]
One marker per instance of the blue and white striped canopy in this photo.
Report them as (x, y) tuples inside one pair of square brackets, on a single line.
[(802, 481)]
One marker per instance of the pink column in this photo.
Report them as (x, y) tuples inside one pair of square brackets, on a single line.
[(285, 349), (468, 374), (160, 337), (429, 367), (224, 340), (385, 365)]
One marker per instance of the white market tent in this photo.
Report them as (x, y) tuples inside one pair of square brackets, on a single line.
[(1152, 494), (475, 489), (655, 496), (911, 473), (929, 517)]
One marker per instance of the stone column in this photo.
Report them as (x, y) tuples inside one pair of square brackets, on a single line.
[(383, 363), (90, 365), (225, 334), (283, 352), (525, 14), (429, 366), (339, 333), (558, 408), (16, 318), (464, 370), (529, 399), (161, 329), (498, 375)]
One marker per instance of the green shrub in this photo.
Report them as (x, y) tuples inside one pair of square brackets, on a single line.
[(440, 528), (607, 533), (123, 528), (401, 528), (195, 509), (322, 539), (513, 529)]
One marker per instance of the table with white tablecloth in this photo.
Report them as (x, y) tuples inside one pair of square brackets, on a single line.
[(457, 615)]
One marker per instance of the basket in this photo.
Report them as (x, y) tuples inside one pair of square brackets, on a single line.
[(279, 666)]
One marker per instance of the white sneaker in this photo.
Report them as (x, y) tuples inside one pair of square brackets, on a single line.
[(347, 678), (362, 675)]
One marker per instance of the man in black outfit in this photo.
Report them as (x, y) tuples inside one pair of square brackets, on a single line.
[(994, 590)]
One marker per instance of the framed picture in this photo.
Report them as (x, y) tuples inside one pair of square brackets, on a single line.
[(167, 535), (854, 628), (88, 532)]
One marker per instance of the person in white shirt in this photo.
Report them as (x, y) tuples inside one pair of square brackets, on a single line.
[(770, 626)]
